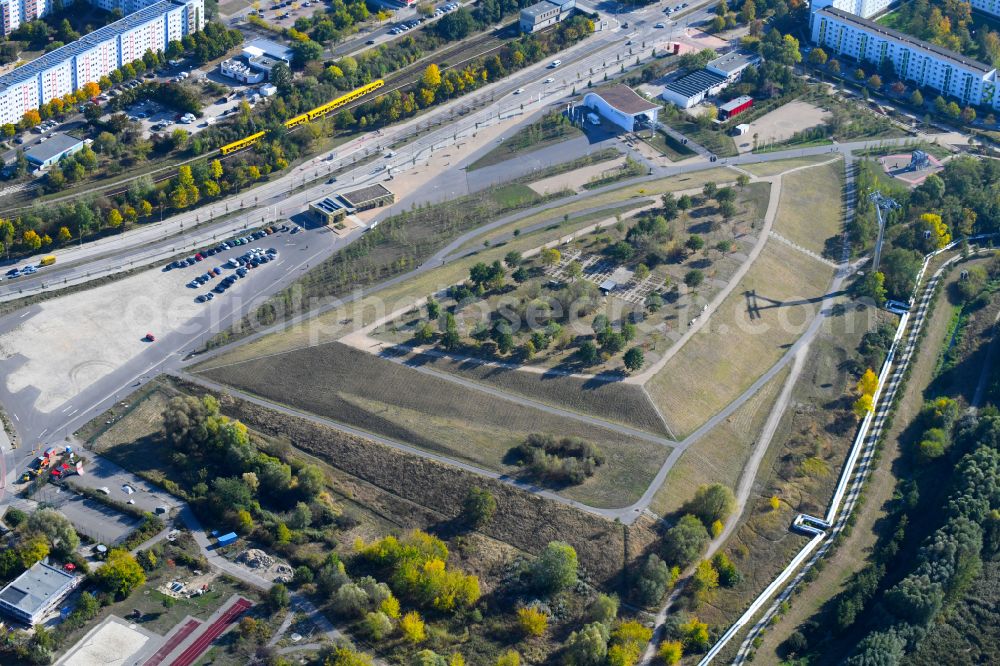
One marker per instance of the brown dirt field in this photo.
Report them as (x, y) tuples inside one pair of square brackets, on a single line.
[(720, 455), (731, 351), (525, 521), (851, 556), (401, 403)]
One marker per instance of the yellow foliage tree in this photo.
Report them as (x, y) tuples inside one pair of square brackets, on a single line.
[(705, 580), (938, 229), (31, 239), (551, 256), (774, 502), (868, 383), (694, 634), (670, 652), (390, 606), (412, 627), (432, 76), (509, 658), (863, 406), (532, 621), (114, 218), (717, 528)]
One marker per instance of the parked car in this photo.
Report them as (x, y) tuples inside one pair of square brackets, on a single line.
[(149, 338)]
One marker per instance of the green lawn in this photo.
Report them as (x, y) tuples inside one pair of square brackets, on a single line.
[(667, 145)]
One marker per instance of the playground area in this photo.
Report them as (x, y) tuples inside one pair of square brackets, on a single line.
[(911, 168)]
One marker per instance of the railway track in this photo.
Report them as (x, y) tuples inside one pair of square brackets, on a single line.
[(455, 57)]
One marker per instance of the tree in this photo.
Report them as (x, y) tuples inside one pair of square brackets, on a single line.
[(694, 634), (120, 574), (704, 581), (432, 76), (653, 581), (114, 218), (532, 621), (412, 627), (588, 353), (712, 502), (588, 646), (603, 609), (748, 12), (281, 78), (513, 259), (479, 507), (873, 286), (56, 528), (868, 382), (818, 57), (875, 81), (683, 543), (377, 625), (509, 658), (916, 99), (634, 359), (556, 568), (933, 444), (863, 406), (694, 243), (774, 503), (278, 597), (551, 256), (64, 236), (32, 549), (670, 652)]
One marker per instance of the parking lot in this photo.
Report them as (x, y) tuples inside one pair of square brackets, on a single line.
[(97, 521), (243, 256), (122, 485)]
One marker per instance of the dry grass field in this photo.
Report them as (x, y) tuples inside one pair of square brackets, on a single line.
[(731, 351), (621, 403), (719, 456), (810, 212), (401, 403), (802, 464), (765, 169)]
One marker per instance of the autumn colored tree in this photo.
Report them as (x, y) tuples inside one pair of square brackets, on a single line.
[(432, 76), (412, 627), (551, 256), (532, 621)]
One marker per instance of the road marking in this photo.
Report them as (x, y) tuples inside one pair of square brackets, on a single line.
[(25, 315), (73, 412), (279, 263), (16, 418), (67, 408), (43, 432)]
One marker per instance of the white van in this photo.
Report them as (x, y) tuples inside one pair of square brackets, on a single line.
[(555, 63)]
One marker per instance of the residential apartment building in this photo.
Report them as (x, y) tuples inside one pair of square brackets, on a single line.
[(925, 64), (68, 68), (15, 12)]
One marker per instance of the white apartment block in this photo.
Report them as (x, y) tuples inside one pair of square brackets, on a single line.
[(862, 8), (68, 68), (928, 65), (15, 12)]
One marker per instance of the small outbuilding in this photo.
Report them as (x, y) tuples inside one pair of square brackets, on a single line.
[(622, 106), (328, 210), (735, 107)]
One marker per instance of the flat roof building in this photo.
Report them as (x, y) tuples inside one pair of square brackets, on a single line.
[(691, 89), (364, 198), (731, 65), (925, 64), (622, 106), (58, 146), (328, 210), (67, 68), (543, 14), (265, 47), (33, 594)]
